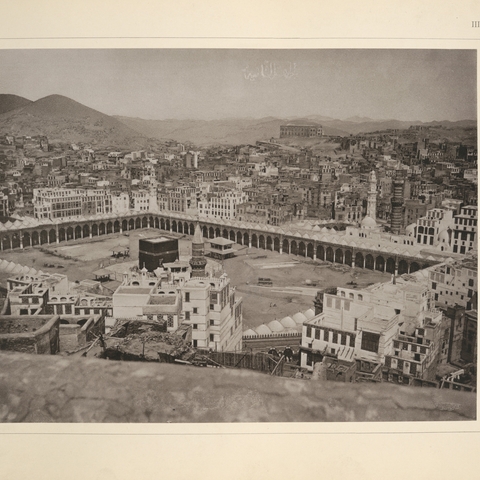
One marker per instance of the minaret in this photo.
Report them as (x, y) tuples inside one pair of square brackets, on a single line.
[(372, 196), (198, 260), (396, 216)]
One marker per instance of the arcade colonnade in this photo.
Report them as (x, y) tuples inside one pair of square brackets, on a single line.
[(21, 238)]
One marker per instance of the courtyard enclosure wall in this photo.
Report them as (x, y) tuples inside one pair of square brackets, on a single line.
[(397, 259)]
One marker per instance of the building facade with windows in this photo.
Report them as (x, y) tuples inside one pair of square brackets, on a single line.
[(380, 325), (455, 283), (214, 312), (185, 296), (434, 229), (4, 209), (143, 296), (182, 199), (221, 204), (310, 130), (143, 200), (61, 203), (465, 229)]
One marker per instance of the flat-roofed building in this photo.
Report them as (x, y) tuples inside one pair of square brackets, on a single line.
[(465, 229), (455, 283), (214, 312), (221, 203), (221, 248), (61, 203), (367, 326), (434, 229), (182, 293), (145, 297), (307, 130)]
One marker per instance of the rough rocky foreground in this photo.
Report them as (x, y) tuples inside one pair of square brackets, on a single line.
[(60, 389)]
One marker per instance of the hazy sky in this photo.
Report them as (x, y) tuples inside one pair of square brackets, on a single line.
[(206, 84)]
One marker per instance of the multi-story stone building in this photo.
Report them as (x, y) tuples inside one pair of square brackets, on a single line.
[(455, 283), (310, 130), (434, 229), (264, 213), (214, 312), (70, 203), (221, 203), (120, 203), (144, 200), (143, 296), (182, 199), (4, 209), (185, 296), (465, 229), (415, 209), (80, 316), (392, 325)]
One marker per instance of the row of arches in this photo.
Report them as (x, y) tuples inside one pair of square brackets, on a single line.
[(303, 248), (307, 249), (87, 230), (62, 234)]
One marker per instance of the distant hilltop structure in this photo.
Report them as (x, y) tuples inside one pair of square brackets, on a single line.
[(305, 130)]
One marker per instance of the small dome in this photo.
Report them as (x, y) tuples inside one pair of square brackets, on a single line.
[(299, 317), (17, 269), (288, 322), (368, 222), (263, 330), (276, 326), (410, 230), (249, 333), (443, 236), (309, 314)]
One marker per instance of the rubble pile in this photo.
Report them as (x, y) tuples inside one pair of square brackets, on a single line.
[(131, 327), (141, 341)]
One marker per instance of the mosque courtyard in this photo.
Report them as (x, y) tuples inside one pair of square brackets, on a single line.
[(294, 280)]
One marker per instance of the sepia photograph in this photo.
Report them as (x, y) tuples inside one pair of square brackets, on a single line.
[(238, 240), (238, 235)]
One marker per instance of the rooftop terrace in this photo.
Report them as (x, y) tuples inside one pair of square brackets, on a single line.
[(162, 300)]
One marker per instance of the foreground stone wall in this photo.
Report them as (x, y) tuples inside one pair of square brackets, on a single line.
[(69, 338), (67, 389), (25, 343), (44, 340)]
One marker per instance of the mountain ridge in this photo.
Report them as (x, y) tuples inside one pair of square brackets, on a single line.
[(9, 102), (66, 120), (248, 130)]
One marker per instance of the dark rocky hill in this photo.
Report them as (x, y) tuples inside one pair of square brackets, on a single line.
[(65, 120), (12, 102)]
